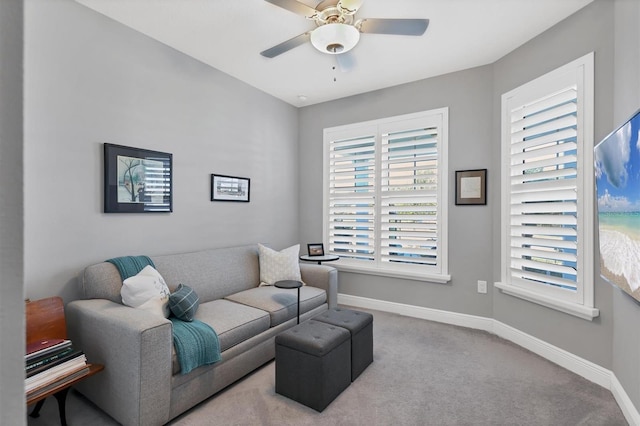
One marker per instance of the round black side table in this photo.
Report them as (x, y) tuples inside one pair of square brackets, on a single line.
[(291, 284), (320, 259)]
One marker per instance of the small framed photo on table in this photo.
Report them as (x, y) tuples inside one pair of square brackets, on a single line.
[(471, 187), (315, 249)]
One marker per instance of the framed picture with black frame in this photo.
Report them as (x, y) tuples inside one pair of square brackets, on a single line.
[(315, 249), (471, 187), (230, 188), (137, 180)]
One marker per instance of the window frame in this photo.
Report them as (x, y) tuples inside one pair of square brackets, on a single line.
[(377, 128), (580, 73)]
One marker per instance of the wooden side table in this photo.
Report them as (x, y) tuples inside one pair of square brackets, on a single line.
[(45, 320), (60, 393), (291, 284)]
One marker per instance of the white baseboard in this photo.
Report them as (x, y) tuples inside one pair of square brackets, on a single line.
[(453, 318), (571, 362), (625, 404)]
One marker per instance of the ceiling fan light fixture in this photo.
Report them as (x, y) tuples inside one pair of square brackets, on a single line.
[(335, 38)]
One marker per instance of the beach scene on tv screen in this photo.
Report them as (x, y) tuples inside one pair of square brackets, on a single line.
[(617, 168)]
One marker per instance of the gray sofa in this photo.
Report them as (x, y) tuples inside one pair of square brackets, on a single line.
[(141, 383)]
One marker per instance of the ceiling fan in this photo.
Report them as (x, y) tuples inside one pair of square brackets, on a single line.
[(337, 31)]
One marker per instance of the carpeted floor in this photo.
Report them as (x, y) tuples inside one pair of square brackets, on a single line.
[(424, 373)]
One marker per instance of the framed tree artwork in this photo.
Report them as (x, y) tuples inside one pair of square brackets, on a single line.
[(137, 180)]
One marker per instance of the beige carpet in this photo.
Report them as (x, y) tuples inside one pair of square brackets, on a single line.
[(424, 373)]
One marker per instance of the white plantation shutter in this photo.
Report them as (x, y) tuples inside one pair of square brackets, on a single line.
[(544, 193), (409, 196), (352, 197), (385, 194), (547, 198)]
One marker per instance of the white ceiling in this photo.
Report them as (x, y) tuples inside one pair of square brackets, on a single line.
[(229, 35)]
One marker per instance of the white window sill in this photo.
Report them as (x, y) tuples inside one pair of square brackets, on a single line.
[(393, 273), (580, 311)]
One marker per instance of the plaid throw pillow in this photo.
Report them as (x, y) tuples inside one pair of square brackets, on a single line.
[(184, 303)]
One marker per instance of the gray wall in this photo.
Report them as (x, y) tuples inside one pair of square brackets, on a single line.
[(473, 97), (626, 311), (91, 80), (12, 329), (468, 94), (590, 29)]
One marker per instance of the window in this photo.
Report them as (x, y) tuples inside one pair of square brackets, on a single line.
[(547, 190), (386, 195)]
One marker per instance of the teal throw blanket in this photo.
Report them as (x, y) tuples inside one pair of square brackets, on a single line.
[(128, 266), (196, 344)]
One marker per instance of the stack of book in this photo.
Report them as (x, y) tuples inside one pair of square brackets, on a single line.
[(50, 363)]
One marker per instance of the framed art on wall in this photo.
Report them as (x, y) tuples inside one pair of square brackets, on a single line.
[(229, 188), (471, 187), (137, 180)]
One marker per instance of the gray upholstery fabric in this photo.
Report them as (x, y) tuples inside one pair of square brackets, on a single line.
[(213, 274), (101, 281), (282, 304), (200, 385), (137, 386), (232, 322), (354, 321), (324, 277), (211, 377), (135, 348), (313, 337), (313, 363), (360, 325)]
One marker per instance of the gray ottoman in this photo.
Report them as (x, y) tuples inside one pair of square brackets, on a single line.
[(360, 324), (313, 363)]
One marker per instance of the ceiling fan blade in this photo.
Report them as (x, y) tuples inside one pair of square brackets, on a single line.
[(411, 27), (286, 46), (349, 7), (295, 7), (346, 61)]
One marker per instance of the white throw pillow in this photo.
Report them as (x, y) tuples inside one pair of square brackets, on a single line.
[(278, 265), (147, 290)]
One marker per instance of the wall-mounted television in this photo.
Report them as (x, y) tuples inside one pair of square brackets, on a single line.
[(617, 170)]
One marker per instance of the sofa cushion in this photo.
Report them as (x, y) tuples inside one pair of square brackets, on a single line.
[(278, 265), (232, 322), (280, 303), (184, 303), (146, 290), (213, 274)]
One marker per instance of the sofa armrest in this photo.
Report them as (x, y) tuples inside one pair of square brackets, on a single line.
[(135, 347), (324, 277)]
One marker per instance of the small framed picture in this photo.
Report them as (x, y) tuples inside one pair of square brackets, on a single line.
[(471, 187), (315, 249), (229, 188), (137, 180)]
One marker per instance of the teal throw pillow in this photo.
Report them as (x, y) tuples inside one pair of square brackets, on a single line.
[(184, 303)]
